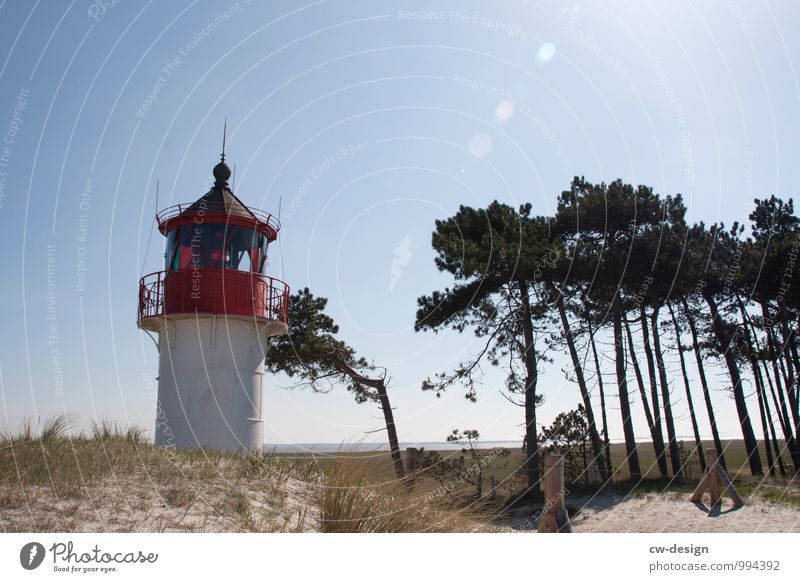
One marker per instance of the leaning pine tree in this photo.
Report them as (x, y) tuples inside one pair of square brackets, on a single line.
[(311, 353)]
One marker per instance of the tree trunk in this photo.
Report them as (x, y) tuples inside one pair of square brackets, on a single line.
[(695, 428), (762, 413), (790, 352), (784, 427), (594, 437), (759, 380), (789, 427), (796, 360), (793, 350), (651, 371), (786, 380), (391, 430), (674, 452), (775, 444), (704, 383), (532, 374), (726, 347), (770, 423), (388, 415), (624, 399), (777, 360), (658, 443), (603, 416)]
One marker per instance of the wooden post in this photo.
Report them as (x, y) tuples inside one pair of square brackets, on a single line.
[(713, 485), (492, 487), (590, 472), (554, 513), (724, 482), (729, 489), (411, 467), (714, 480), (697, 495)]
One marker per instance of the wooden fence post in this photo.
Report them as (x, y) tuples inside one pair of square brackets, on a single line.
[(713, 485), (714, 480), (554, 513)]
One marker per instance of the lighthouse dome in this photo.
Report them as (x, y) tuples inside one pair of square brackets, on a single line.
[(222, 173)]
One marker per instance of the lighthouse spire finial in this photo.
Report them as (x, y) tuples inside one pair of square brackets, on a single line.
[(224, 138), (222, 172)]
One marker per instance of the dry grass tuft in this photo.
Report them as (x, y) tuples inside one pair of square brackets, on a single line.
[(106, 430), (354, 498), (53, 428), (47, 430)]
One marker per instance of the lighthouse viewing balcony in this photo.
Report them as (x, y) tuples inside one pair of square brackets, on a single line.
[(221, 292)]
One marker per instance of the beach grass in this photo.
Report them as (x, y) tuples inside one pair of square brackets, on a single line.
[(51, 480), (113, 479)]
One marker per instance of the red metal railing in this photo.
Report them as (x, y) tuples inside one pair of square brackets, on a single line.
[(172, 212), (151, 295), (213, 291)]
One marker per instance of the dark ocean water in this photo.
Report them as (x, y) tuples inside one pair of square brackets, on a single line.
[(332, 449)]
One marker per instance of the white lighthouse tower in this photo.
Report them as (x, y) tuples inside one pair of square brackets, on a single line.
[(214, 309)]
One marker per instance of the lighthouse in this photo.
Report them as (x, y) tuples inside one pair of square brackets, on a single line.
[(214, 309)]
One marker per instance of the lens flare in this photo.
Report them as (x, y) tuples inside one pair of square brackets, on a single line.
[(480, 144)]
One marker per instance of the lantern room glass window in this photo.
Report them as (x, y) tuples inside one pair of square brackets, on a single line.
[(216, 246)]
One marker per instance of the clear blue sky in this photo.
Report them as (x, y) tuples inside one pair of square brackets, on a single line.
[(421, 106)]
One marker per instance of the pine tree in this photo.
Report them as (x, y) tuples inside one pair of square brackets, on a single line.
[(311, 353)]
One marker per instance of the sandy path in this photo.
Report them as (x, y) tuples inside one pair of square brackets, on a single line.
[(669, 512), (675, 513)]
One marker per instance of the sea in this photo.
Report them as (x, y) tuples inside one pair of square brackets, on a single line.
[(332, 450)]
